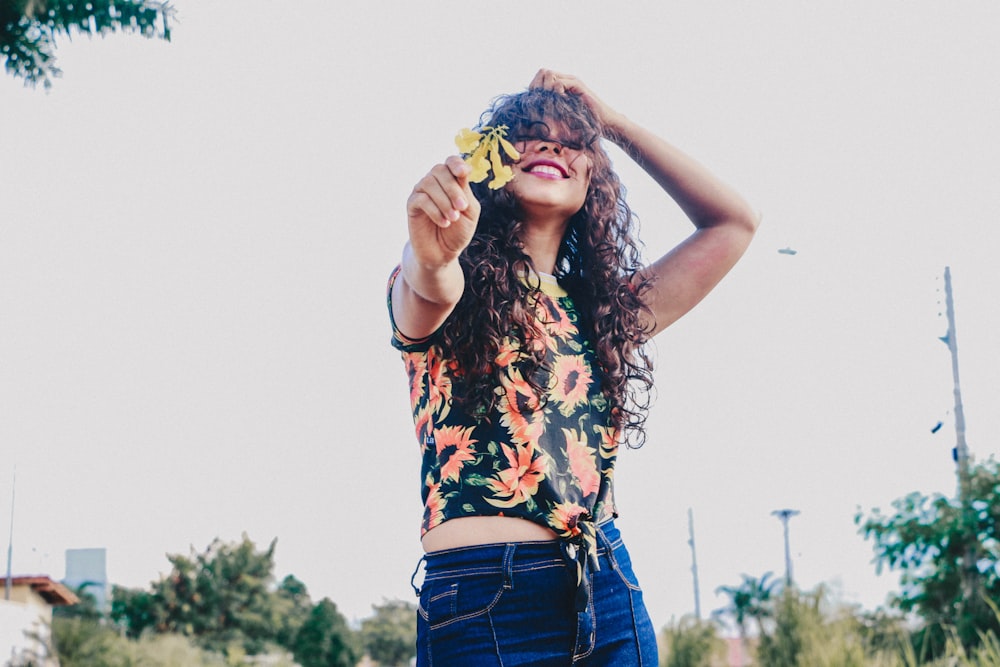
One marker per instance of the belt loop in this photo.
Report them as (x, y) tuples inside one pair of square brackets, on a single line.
[(413, 576), (602, 538), (606, 543), (508, 566)]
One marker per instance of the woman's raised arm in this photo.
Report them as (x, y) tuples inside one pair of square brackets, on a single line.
[(724, 222)]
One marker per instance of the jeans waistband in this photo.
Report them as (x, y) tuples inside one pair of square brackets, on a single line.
[(507, 557)]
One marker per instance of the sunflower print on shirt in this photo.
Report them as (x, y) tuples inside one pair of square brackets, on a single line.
[(550, 462)]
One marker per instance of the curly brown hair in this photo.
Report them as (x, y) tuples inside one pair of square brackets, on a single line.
[(598, 265)]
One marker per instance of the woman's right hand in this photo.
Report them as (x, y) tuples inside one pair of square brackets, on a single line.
[(442, 214)]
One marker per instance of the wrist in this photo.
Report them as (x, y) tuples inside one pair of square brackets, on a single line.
[(615, 127)]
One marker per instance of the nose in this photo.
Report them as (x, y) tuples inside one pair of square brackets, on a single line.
[(548, 144)]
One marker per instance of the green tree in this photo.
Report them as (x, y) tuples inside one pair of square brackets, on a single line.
[(751, 600), (390, 634), (28, 29), (223, 598), (82, 642), (324, 640), (133, 610), (810, 630), (784, 645), (293, 607), (691, 642), (176, 651), (947, 553)]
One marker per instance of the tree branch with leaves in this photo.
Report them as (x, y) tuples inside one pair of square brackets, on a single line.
[(28, 29)]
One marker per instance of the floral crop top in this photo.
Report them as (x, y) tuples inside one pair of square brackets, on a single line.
[(552, 464)]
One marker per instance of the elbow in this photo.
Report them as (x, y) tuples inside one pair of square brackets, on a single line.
[(741, 222), (747, 219), (735, 215)]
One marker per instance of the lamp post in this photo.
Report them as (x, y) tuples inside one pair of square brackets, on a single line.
[(694, 565), (784, 516)]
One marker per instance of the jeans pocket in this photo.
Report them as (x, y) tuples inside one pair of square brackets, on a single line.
[(450, 601), (622, 564)]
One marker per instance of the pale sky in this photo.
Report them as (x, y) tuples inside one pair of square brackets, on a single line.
[(195, 238)]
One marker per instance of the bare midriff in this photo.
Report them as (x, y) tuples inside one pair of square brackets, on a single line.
[(470, 531)]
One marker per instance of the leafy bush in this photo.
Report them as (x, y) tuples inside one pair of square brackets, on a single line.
[(690, 642)]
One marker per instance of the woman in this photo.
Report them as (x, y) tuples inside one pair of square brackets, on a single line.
[(521, 313)]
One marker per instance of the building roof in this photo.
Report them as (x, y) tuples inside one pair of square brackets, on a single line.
[(51, 591)]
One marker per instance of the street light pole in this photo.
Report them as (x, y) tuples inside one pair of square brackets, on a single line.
[(784, 516), (10, 541), (694, 565)]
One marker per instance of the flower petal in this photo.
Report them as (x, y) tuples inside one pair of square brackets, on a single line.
[(480, 165), (467, 140), (502, 174), (509, 149)]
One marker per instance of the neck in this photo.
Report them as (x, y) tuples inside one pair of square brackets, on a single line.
[(541, 243)]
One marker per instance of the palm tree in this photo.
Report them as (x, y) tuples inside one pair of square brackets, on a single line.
[(762, 593), (750, 600)]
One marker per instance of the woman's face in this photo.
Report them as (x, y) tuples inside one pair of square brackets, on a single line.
[(553, 174)]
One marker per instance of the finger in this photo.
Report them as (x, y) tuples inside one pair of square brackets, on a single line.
[(458, 175), (544, 78), (447, 190), (420, 204), (554, 81), (459, 169), (465, 202), (433, 196)]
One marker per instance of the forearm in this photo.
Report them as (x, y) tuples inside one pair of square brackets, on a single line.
[(705, 199), (423, 296), (440, 284)]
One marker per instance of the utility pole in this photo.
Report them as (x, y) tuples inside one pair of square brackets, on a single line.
[(784, 516), (961, 453), (970, 571), (694, 565)]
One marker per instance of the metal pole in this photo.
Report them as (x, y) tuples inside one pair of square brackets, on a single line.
[(951, 340), (784, 516), (970, 570), (10, 541), (694, 565)]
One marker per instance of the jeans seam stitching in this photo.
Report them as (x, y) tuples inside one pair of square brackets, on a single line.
[(496, 642), (593, 626), (475, 614), (468, 572)]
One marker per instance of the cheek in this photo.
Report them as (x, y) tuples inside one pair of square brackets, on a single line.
[(584, 167), (585, 181)]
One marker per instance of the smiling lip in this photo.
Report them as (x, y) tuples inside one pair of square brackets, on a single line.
[(547, 163)]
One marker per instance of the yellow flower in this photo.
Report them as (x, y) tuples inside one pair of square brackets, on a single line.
[(502, 174), (482, 150), (467, 140), (509, 149), (480, 165)]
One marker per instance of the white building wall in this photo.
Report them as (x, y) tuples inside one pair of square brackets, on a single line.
[(21, 626)]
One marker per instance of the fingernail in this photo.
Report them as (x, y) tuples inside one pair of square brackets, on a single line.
[(461, 204), (453, 215)]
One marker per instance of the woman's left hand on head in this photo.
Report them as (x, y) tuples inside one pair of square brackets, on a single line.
[(569, 84)]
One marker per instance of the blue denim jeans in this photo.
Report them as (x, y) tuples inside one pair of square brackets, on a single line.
[(503, 605)]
